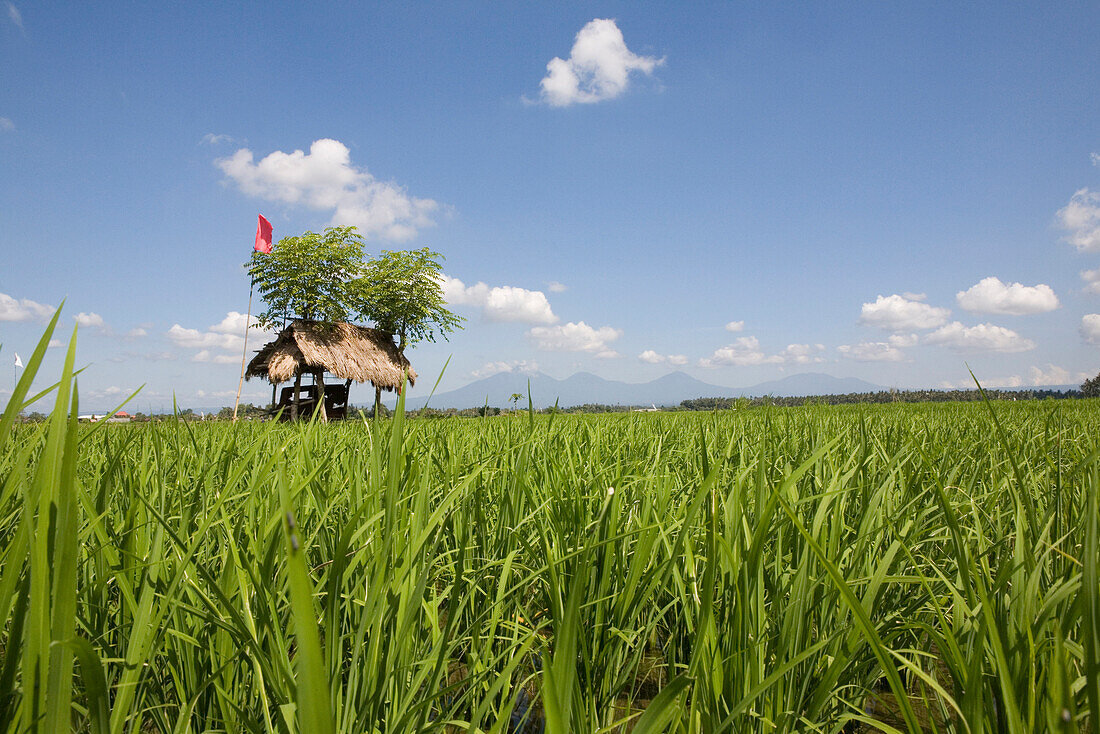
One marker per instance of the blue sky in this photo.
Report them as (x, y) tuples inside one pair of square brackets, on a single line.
[(740, 191)]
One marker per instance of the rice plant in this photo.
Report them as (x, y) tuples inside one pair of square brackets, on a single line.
[(896, 568)]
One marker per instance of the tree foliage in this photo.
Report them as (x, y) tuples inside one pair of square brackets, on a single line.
[(310, 276), (1091, 388), (402, 293)]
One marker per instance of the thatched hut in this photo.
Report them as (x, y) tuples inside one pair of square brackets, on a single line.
[(353, 353)]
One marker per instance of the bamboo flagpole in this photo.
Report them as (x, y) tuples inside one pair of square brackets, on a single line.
[(263, 244)]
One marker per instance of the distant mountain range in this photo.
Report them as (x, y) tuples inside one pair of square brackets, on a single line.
[(584, 387)]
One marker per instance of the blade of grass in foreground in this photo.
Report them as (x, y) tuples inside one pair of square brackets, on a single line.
[(312, 694)]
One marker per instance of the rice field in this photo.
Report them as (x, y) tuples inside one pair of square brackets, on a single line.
[(819, 569)]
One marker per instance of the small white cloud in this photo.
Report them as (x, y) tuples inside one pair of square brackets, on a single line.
[(325, 180), (136, 333), (88, 320), (1092, 281), (980, 338), (195, 339), (1080, 218), (745, 351), (233, 323), (212, 139), (22, 309), (15, 16), (802, 354), (54, 344), (651, 357), (598, 68), (898, 313), (574, 337), (206, 356), (1095, 158), (990, 295), (6, 125), (500, 303), (989, 383), (1090, 328), (1055, 375), (677, 359), (608, 354), (556, 287), (735, 326), (523, 367), (872, 352), (914, 296)]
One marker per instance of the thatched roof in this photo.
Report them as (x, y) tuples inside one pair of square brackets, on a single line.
[(345, 350)]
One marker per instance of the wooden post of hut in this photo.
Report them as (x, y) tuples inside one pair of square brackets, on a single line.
[(353, 353)]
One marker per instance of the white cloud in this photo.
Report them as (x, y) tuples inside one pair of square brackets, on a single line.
[(195, 339), (22, 309), (54, 344), (988, 383), (233, 323), (1055, 375), (556, 287), (743, 352), (15, 16), (990, 295), (212, 139), (980, 338), (914, 296), (574, 337), (1092, 281), (88, 320), (898, 313), (608, 354), (1081, 219), (598, 67), (903, 340), (1095, 158), (521, 366), (324, 179), (205, 356), (872, 352), (653, 357), (1090, 328), (735, 326), (500, 303), (136, 333), (6, 125), (802, 354)]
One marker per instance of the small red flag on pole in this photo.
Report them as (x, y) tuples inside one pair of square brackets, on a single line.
[(263, 236)]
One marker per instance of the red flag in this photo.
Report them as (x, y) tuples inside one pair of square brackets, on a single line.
[(263, 236)]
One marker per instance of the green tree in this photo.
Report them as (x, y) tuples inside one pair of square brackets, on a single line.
[(402, 293), (1091, 388), (515, 398), (310, 276)]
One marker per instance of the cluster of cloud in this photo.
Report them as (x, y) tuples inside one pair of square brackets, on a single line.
[(990, 295), (735, 326), (980, 338), (227, 335), (599, 67), (1037, 377), (651, 357), (576, 337), (500, 303), (89, 320), (325, 180), (1080, 218), (1090, 328), (23, 309), (897, 313), (879, 351), (1092, 281), (522, 367), (746, 351)]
